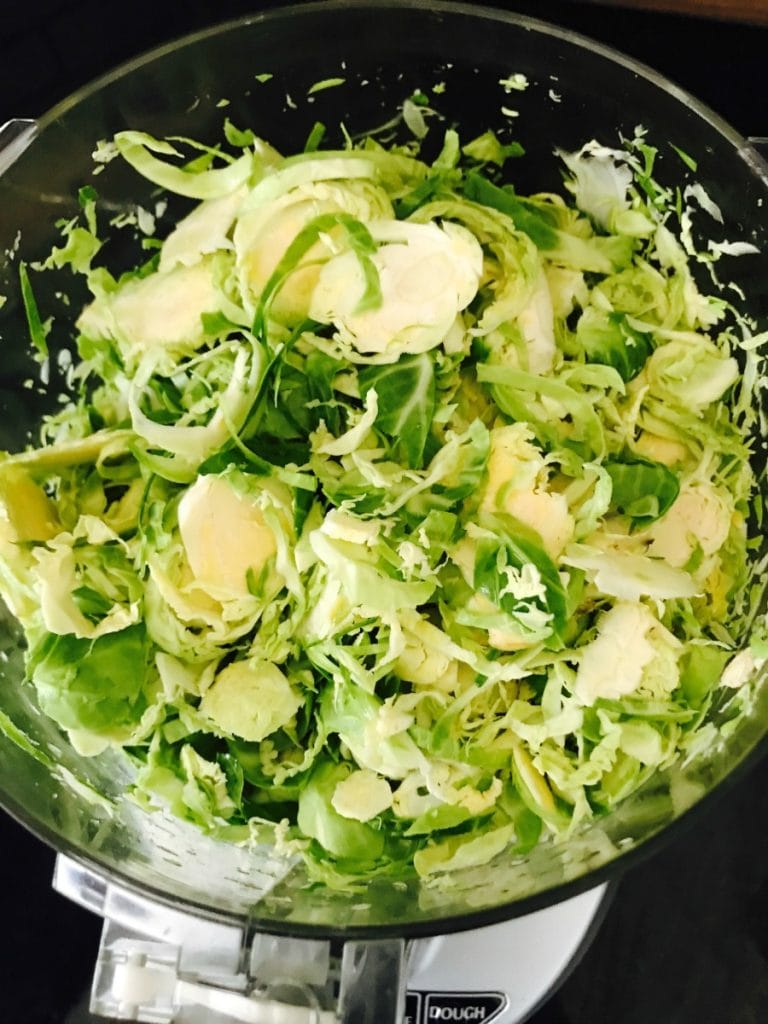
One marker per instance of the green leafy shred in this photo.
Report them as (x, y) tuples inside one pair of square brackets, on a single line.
[(325, 83), (37, 331), (687, 159), (315, 137)]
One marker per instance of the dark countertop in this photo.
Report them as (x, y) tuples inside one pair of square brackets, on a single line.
[(685, 938)]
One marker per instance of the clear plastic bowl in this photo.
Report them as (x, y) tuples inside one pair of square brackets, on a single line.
[(578, 90)]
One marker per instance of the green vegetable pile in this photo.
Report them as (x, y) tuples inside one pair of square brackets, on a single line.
[(396, 513)]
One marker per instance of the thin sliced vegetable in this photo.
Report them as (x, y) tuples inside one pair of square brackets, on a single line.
[(397, 514)]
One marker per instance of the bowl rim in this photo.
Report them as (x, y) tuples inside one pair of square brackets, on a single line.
[(482, 11)]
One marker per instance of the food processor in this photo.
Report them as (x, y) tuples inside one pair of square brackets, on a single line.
[(196, 930)]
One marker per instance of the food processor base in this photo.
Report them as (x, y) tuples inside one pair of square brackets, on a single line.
[(163, 966), (503, 972)]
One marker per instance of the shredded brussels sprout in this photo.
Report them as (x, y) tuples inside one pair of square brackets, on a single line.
[(394, 505)]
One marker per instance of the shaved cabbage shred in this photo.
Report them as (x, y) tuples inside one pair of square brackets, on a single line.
[(398, 512)]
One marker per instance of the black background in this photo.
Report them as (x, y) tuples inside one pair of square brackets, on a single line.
[(685, 939)]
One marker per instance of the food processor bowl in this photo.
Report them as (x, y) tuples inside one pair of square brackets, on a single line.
[(259, 73)]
